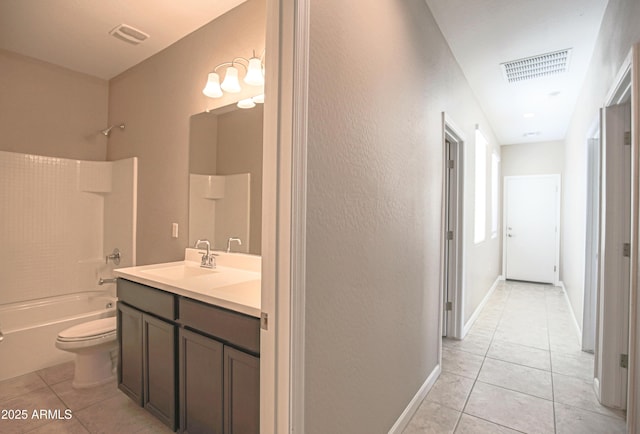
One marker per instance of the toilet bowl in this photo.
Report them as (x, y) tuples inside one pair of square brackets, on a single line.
[(93, 342)]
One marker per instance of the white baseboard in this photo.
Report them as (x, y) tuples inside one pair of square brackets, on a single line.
[(411, 409), (473, 318), (596, 388), (573, 315)]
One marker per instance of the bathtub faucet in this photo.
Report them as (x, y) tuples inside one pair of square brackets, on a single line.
[(208, 259)]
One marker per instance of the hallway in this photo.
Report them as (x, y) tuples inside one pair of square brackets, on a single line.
[(519, 369)]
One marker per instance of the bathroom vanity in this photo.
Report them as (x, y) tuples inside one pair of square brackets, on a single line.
[(189, 341)]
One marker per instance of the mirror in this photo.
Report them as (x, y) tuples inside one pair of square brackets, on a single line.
[(225, 178)]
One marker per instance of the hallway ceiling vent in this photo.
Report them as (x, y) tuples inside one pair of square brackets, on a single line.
[(539, 66)]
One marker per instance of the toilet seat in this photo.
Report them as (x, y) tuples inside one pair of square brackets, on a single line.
[(93, 343), (97, 329)]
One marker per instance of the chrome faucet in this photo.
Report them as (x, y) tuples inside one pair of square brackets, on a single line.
[(208, 259), (238, 240)]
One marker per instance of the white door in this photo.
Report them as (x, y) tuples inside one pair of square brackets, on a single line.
[(452, 233), (615, 249), (531, 228)]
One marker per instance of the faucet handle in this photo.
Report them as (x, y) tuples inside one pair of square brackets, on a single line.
[(115, 257)]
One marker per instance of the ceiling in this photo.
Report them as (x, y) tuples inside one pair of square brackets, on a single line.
[(75, 33), (483, 34)]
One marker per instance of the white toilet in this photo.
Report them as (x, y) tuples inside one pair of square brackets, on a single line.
[(93, 343)]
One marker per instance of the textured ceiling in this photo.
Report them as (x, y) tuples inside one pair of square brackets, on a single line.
[(483, 34), (75, 33)]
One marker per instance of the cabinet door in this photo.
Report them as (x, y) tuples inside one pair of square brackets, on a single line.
[(242, 392), (130, 352), (159, 343), (201, 384)]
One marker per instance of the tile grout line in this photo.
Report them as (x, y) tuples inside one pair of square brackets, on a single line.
[(475, 381), (554, 325), (50, 386)]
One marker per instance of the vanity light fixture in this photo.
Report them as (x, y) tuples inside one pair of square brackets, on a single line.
[(246, 103), (254, 76), (212, 88), (230, 83)]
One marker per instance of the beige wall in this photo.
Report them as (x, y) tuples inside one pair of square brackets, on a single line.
[(532, 159), (230, 143), (240, 151), (203, 138), (156, 99), (49, 110), (379, 79), (619, 31), (481, 261)]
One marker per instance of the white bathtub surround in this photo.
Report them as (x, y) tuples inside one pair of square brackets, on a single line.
[(30, 329), (58, 220), (234, 284)]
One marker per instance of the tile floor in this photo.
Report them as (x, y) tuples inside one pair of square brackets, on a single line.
[(519, 369), (98, 410)]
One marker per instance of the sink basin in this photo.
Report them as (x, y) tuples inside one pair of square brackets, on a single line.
[(179, 272)]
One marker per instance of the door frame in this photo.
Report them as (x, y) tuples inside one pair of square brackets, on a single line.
[(592, 241), (455, 320), (624, 89), (284, 218), (505, 206), (633, 400)]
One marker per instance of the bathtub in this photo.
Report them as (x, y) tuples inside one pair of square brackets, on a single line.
[(29, 329)]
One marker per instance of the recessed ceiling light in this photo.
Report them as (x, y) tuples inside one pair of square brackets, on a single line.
[(528, 115), (554, 94), (531, 134)]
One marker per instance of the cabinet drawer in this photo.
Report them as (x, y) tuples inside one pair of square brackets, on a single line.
[(147, 299), (231, 327)]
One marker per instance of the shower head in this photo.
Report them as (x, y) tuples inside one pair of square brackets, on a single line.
[(107, 131)]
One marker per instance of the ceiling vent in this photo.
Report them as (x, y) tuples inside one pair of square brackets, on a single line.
[(128, 34), (540, 66)]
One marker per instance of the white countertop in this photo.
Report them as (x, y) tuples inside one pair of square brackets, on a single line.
[(233, 288)]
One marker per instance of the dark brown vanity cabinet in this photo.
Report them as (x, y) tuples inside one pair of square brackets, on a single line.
[(219, 375), (242, 392), (193, 365), (130, 352), (201, 383), (159, 369), (147, 344)]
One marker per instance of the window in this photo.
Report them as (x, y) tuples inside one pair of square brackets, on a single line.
[(495, 179), (480, 218)]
